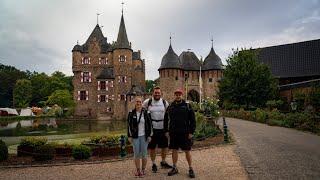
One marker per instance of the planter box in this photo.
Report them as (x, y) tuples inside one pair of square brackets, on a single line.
[(25, 151)]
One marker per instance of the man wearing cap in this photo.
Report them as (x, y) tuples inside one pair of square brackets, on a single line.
[(157, 107), (180, 124)]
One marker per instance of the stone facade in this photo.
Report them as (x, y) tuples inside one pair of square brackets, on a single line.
[(105, 74), (183, 72)]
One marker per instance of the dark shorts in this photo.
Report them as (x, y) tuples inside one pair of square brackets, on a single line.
[(180, 141), (158, 139)]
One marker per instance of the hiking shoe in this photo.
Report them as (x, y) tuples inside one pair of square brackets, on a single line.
[(191, 173), (165, 165), (154, 168), (173, 171)]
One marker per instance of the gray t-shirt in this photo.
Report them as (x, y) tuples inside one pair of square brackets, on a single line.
[(157, 111)]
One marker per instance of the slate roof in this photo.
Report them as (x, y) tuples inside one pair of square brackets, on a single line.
[(189, 61), (122, 40), (106, 73), (136, 90), (98, 35), (136, 55), (170, 60), (292, 60), (212, 62)]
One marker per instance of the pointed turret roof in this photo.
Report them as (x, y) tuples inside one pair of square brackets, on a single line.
[(96, 33), (170, 60), (212, 61), (122, 40), (189, 61)]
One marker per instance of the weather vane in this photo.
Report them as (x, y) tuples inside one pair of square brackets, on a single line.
[(212, 42), (122, 6), (98, 17)]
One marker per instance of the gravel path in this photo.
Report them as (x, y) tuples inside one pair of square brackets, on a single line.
[(269, 152), (219, 162)]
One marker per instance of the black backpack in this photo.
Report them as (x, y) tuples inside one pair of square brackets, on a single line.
[(163, 101)]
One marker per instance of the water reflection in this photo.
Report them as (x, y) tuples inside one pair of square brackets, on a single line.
[(59, 126)]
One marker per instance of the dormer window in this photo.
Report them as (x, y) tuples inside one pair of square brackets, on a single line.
[(122, 58)]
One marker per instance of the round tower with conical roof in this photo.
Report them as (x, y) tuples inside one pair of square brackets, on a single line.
[(171, 73)]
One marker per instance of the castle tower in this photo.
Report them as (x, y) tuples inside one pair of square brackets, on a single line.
[(171, 74), (122, 61), (212, 74)]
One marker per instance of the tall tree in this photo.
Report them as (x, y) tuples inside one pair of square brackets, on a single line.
[(246, 81), (149, 85), (63, 98), (22, 93), (8, 77)]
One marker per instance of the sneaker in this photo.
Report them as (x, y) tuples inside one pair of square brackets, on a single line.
[(173, 171), (154, 168), (137, 174), (191, 173), (165, 165)]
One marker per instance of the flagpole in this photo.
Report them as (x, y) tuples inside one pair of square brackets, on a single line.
[(200, 83)]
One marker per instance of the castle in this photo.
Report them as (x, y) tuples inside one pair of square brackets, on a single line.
[(183, 72), (106, 75)]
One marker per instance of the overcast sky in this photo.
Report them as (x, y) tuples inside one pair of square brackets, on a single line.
[(39, 35)]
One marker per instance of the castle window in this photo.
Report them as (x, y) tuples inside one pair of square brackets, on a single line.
[(83, 95), (85, 76), (102, 98), (176, 78), (108, 109), (103, 60), (122, 97), (103, 85), (85, 60), (122, 79), (210, 79), (122, 58)]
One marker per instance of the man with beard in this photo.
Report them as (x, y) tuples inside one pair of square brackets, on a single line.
[(157, 108)]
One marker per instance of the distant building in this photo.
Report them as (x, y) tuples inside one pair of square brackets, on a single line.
[(183, 72), (296, 66), (106, 75)]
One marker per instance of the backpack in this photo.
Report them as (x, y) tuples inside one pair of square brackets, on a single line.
[(163, 101)]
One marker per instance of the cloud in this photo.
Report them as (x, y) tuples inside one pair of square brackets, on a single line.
[(39, 35)]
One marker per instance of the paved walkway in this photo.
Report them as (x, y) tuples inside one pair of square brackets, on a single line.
[(218, 162), (270, 152)]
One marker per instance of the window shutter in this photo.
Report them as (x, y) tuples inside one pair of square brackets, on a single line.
[(87, 95), (107, 98), (89, 60), (98, 98), (112, 97), (119, 79), (99, 60), (98, 85), (78, 95), (111, 83), (118, 97), (82, 60), (89, 76), (125, 58), (81, 77), (125, 79)]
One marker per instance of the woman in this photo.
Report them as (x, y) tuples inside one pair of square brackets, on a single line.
[(139, 134)]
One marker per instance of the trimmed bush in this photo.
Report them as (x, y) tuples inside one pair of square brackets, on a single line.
[(3, 151), (43, 152), (81, 152), (33, 141)]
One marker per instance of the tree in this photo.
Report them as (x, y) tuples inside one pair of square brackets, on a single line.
[(22, 93), (149, 85), (246, 82), (63, 98), (8, 77)]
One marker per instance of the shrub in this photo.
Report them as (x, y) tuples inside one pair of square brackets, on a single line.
[(33, 141), (260, 115), (81, 152), (110, 140), (3, 151), (44, 152)]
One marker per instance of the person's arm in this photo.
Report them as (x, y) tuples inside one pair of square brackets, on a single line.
[(192, 120), (129, 124), (149, 122), (166, 120)]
